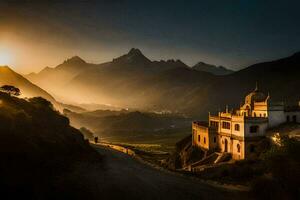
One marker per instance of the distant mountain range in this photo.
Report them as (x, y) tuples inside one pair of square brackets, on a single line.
[(134, 81), (220, 70)]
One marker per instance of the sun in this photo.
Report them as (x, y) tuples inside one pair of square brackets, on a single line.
[(5, 57)]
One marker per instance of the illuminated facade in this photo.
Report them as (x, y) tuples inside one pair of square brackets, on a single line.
[(239, 132)]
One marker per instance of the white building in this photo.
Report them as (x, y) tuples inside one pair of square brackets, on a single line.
[(239, 132)]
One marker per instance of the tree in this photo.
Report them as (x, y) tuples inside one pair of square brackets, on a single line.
[(12, 90)]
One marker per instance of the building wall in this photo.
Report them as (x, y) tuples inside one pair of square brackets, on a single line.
[(276, 117), (238, 154), (232, 146), (292, 115), (251, 149), (260, 109), (237, 120), (259, 113), (200, 136), (262, 127), (222, 143), (213, 140)]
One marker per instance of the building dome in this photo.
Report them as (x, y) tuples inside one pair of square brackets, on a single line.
[(255, 96)]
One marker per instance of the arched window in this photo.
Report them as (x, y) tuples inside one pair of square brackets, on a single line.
[(254, 129), (238, 147), (237, 127)]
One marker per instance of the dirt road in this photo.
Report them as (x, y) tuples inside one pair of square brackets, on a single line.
[(127, 178)]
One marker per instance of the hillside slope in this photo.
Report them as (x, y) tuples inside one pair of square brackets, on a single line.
[(28, 89), (41, 153)]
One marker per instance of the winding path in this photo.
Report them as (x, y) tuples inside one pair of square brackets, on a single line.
[(127, 178)]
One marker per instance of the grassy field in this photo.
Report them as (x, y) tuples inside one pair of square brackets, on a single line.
[(156, 143)]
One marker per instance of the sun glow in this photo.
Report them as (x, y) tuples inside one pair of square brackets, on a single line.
[(5, 57)]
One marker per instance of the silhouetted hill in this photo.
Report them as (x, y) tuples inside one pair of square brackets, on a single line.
[(280, 78), (41, 154), (220, 70), (28, 89)]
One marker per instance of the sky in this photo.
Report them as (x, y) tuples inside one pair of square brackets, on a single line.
[(233, 33)]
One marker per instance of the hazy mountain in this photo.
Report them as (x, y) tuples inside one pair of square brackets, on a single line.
[(28, 89), (133, 81), (216, 70), (53, 79)]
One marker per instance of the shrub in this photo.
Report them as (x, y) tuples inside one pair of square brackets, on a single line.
[(283, 164)]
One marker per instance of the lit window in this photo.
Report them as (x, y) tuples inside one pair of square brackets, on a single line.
[(198, 138)]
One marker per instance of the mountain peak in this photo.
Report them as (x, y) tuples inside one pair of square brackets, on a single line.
[(213, 69), (134, 56), (135, 51), (74, 59)]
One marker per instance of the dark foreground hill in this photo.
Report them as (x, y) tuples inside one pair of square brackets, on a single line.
[(40, 153)]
